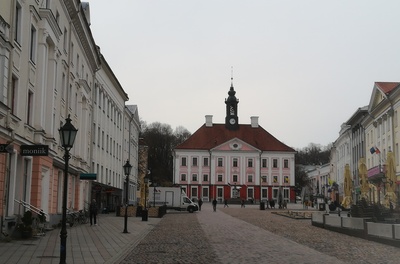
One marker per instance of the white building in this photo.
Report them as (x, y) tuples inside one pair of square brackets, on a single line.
[(52, 69)]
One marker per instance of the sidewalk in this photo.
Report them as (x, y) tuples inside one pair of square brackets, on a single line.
[(104, 243)]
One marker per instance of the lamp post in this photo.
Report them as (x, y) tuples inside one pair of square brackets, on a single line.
[(67, 134), (146, 182), (127, 170), (154, 194), (145, 213)]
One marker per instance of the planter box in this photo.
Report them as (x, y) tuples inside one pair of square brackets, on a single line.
[(353, 223), (317, 218), (131, 211), (380, 229), (333, 220)]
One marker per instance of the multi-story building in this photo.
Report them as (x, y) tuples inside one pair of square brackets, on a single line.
[(370, 133), (342, 146), (234, 161), (52, 69), (382, 134), (357, 141)]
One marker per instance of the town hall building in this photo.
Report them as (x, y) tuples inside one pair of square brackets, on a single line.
[(235, 161)]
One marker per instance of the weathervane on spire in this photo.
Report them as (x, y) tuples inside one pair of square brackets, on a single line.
[(231, 76)]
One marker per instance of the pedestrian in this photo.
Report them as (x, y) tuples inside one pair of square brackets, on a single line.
[(243, 203), (226, 203), (214, 203), (200, 203), (93, 212)]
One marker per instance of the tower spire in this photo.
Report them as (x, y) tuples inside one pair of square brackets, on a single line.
[(231, 119), (231, 76)]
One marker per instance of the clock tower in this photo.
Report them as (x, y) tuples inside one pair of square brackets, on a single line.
[(231, 119)]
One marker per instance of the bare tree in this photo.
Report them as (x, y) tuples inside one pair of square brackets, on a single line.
[(161, 140)]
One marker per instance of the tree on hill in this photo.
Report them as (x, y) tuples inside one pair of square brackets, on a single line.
[(161, 140), (313, 154)]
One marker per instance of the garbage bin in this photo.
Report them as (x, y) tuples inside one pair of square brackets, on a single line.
[(145, 215), (262, 206), (321, 206)]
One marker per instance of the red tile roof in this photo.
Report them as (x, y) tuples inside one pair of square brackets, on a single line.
[(206, 138), (387, 87)]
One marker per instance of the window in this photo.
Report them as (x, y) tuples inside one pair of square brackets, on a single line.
[(264, 163), (194, 192), (14, 98), (205, 177), (194, 162), (250, 163), (220, 163), (275, 163), (286, 163), (235, 162), (183, 177), (286, 179), (275, 179), (219, 178), (65, 41), (17, 28), (30, 105), (250, 193), (249, 178), (194, 177), (235, 178), (205, 162), (183, 161), (32, 50), (264, 178), (205, 192), (264, 193)]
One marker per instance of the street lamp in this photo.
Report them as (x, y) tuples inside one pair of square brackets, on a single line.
[(67, 134), (145, 213), (127, 170), (146, 182)]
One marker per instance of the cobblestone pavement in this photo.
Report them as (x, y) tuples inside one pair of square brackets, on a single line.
[(346, 248), (250, 235), (178, 238)]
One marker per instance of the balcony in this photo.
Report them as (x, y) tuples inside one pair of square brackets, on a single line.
[(376, 173)]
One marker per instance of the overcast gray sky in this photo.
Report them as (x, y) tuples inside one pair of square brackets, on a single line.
[(304, 67)]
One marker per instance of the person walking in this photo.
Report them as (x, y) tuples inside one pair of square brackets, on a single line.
[(243, 203), (200, 203), (93, 212), (214, 203), (226, 203)]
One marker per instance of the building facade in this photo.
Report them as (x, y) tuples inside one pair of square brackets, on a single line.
[(52, 69), (234, 161), (368, 136)]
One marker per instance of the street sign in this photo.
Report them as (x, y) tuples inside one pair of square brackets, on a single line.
[(6, 148), (34, 150), (88, 176)]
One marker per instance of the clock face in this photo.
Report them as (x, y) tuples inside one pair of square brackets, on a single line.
[(232, 121)]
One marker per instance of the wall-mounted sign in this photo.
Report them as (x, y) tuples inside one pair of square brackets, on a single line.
[(34, 150), (6, 148), (88, 176)]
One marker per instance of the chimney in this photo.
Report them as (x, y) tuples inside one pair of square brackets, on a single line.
[(209, 120), (254, 121)]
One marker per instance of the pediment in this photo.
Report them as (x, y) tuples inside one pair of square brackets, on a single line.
[(235, 144), (376, 98)]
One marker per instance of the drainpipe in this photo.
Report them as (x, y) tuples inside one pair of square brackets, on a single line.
[(9, 85), (259, 176), (209, 190)]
